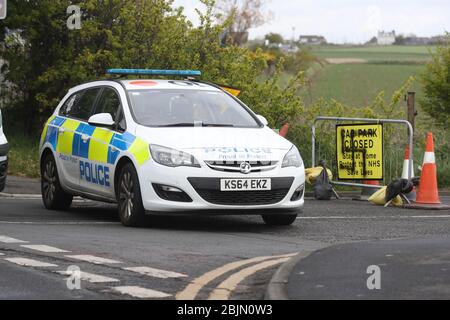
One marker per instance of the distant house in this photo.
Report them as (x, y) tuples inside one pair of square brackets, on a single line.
[(312, 40), (386, 38), (423, 41), (416, 41)]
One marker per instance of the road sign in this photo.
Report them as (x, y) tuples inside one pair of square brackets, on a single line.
[(2, 9), (359, 150)]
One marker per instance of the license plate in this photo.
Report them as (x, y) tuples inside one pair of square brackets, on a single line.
[(245, 184)]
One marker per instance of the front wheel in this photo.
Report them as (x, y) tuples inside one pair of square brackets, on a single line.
[(129, 198), (279, 220), (53, 195)]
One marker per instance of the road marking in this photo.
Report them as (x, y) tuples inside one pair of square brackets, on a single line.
[(374, 217), (20, 196), (6, 239), (156, 273), (30, 262), (224, 290), (2, 254), (90, 277), (43, 248), (61, 223), (191, 291), (141, 293), (93, 259)]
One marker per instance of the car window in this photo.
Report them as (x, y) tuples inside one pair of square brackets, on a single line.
[(79, 106), (68, 105), (109, 102), (160, 108)]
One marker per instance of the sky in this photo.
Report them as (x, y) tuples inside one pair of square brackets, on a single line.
[(347, 21)]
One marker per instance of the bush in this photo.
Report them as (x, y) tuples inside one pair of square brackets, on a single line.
[(436, 84), (44, 59)]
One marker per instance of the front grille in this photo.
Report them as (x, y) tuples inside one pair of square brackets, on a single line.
[(209, 190), (235, 166)]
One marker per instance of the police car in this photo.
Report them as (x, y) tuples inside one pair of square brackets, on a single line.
[(168, 146), (3, 155)]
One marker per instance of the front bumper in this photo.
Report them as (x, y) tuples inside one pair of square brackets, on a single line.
[(4, 148), (201, 185)]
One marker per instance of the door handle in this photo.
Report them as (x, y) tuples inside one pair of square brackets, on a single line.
[(61, 130), (85, 138)]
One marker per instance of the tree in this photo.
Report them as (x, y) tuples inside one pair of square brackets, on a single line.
[(436, 85), (244, 15), (274, 38), (44, 59)]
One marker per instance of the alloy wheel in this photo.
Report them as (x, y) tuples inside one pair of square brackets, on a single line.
[(126, 195), (49, 181)]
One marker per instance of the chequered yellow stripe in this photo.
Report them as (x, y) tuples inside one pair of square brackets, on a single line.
[(65, 140), (139, 149), (99, 144), (44, 132)]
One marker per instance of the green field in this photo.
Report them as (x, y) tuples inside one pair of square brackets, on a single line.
[(356, 75), (358, 84), (376, 54)]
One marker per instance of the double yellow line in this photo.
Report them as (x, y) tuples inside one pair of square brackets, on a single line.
[(224, 290)]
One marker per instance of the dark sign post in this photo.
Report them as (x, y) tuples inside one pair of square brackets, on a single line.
[(411, 103)]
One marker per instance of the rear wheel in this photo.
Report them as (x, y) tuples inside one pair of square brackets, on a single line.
[(129, 199), (53, 195), (279, 220)]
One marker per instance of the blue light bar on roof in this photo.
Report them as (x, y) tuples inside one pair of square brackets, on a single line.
[(149, 72)]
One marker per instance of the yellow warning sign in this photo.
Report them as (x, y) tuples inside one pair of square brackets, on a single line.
[(359, 150)]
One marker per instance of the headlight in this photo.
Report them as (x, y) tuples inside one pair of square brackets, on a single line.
[(172, 158), (292, 158)]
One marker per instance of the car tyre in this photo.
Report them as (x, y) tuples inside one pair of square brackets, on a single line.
[(280, 220), (53, 195), (129, 198)]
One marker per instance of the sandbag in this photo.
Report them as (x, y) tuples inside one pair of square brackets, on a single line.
[(311, 174), (379, 198), (323, 190)]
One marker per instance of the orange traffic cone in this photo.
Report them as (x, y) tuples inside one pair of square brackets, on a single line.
[(428, 188), (284, 130), (407, 166)]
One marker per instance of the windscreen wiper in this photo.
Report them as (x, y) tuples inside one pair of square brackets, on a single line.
[(173, 125), (199, 124), (217, 125)]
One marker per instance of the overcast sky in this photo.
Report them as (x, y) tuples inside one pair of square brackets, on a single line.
[(354, 21)]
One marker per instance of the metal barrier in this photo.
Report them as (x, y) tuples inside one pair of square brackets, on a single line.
[(363, 120)]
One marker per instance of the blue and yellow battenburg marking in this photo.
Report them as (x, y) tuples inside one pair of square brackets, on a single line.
[(102, 145)]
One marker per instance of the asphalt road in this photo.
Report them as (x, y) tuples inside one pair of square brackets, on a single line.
[(178, 257), (408, 269)]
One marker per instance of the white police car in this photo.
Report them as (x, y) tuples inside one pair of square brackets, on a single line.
[(3, 155), (168, 146)]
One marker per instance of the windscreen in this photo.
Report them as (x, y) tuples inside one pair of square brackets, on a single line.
[(189, 108)]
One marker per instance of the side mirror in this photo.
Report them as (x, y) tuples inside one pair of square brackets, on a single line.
[(263, 120), (104, 120)]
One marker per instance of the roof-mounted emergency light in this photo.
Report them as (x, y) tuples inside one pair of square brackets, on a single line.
[(180, 73)]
